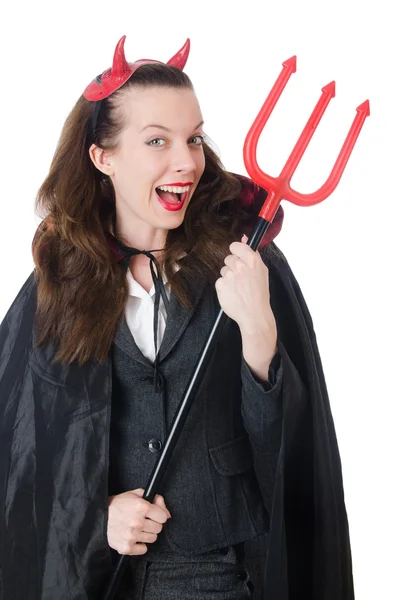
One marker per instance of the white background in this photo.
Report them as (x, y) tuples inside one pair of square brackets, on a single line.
[(342, 251)]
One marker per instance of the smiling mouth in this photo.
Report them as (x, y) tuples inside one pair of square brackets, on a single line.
[(170, 197), (171, 202)]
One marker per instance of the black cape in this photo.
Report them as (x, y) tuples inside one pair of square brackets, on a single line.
[(307, 547)]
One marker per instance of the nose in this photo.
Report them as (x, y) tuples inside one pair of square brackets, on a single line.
[(183, 159)]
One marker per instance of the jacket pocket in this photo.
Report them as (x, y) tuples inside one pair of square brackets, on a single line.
[(238, 498), (232, 458)]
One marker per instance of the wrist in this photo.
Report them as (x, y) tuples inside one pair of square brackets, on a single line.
[(261, 335), (258, 352)]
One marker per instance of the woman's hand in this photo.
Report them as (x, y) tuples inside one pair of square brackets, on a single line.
[(243, 293), (243, 288), (134, 522)]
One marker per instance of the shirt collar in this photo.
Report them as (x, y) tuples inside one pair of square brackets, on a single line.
[(135, 289)]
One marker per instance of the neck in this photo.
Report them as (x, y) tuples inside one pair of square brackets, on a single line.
[(143, 238)]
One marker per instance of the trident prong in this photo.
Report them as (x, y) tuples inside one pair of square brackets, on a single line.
[(279, 188)]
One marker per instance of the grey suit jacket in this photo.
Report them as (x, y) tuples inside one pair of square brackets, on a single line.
[(210, 486)]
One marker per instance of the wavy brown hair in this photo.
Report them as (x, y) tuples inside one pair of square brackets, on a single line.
[(81, 288)]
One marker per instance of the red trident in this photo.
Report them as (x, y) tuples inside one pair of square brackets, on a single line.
[(279, 188)]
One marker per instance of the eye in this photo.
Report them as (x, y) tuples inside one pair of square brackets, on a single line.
[(200, 138), (155, 140)]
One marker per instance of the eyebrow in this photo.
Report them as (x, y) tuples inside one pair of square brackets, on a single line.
[(166, 128)]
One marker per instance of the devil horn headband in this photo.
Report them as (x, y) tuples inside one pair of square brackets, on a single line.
[(112, 79)]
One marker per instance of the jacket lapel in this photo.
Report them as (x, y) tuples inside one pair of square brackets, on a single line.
[(178, 319)]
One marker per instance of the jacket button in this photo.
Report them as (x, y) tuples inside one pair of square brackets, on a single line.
[(154, 445), (242, 576)]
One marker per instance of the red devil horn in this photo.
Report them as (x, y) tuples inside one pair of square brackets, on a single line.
[(120, 65), (180, 58)]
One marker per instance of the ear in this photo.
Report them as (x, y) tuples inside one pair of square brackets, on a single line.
[(101, 159)]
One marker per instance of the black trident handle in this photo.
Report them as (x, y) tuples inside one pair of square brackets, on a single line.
[(183, 410)]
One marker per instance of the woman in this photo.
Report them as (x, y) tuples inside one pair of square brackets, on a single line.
[(141, 245)]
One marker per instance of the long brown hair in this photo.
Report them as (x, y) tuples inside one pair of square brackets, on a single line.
[(81, 288)]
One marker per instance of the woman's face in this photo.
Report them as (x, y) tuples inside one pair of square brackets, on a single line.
[(160, 145)]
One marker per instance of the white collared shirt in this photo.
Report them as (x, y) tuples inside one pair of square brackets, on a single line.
[(139, 314)]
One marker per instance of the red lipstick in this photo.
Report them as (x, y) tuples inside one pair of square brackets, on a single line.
[(181, 183)]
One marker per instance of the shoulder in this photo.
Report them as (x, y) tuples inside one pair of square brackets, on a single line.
[(250, 192), (26, 299)]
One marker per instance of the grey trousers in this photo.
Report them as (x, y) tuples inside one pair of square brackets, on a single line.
[(216, 575)]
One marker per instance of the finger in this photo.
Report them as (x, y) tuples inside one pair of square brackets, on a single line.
[(244, 239), (160, 515), (135, 550), (150, 526), (159, 500), (242, 251), (139, 549), (227, 271), (231, 260), (146, 538)]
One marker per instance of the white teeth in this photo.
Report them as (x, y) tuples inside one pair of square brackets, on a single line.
[(176, 189)]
